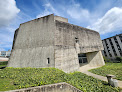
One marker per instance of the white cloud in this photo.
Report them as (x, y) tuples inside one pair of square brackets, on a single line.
[(72, 11), (75, 11), (8, 11), (49, 9), (110, 22)]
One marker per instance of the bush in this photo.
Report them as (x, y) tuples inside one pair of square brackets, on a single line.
[(118, 59), (4, 63)]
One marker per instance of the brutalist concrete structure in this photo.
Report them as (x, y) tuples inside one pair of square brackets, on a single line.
[(50, 41)]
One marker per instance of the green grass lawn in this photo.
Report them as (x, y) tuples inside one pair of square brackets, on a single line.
[(17, 78), (2, 65), (109, 68)]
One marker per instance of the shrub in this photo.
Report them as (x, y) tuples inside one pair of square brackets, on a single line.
[(4, 63), (118, 59)]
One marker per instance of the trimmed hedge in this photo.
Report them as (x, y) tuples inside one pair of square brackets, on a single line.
[(3, 63), (118, 59)]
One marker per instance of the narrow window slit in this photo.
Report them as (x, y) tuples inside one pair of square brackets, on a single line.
[(48, 60)]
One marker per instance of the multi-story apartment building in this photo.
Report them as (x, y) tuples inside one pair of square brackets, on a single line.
[(112, 46)]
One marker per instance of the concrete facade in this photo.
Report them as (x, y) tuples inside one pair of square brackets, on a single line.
[(112, 46), (50, 41)]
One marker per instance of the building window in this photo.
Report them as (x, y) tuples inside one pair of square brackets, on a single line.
[(48, 60), (82, 59), (76, 40), (115, 38), (105, 53), (110, 55), (121, 53), (120, 38)]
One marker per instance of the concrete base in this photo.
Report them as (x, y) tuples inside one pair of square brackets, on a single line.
[(66, 60), (58, 87), (32, 57)]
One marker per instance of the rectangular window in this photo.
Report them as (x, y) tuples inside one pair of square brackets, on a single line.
[(120, 37), (48, 60), (76, 40)]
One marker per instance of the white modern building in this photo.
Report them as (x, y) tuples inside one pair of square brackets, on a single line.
[(112, 46), (5, 53)]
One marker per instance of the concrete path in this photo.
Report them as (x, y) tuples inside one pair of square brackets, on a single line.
[(85, 70)]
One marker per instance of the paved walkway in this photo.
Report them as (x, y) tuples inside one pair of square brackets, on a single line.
[(85, 70)]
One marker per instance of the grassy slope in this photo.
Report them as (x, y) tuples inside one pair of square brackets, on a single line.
[(109, 68), (15, 78)]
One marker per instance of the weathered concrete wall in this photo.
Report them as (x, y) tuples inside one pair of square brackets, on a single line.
[(34, 44), (95, 59), (58, 87), (48, 38), (66, 33), (32, 57), (36, 33), (66, 59), (67, 49)]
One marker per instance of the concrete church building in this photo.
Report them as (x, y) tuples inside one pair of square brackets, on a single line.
[(50, 41)]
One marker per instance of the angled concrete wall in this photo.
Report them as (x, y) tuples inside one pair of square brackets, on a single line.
[(66, 33), (95, 59), (33, 44)]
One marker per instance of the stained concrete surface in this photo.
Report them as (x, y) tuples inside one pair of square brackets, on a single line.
[(58, 87), (51, 37)]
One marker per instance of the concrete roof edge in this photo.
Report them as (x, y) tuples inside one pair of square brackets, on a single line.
[(78, 26), (112, 36), (37, 18)]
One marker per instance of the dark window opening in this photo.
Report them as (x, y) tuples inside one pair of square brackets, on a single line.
[(115, 38), (48, 60), (110, 55), (105, 53), (121, 53), (82, 59), (115, 53), (76, 40), (120, 38)]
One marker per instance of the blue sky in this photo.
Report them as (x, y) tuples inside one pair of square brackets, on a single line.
[(104, 16)]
